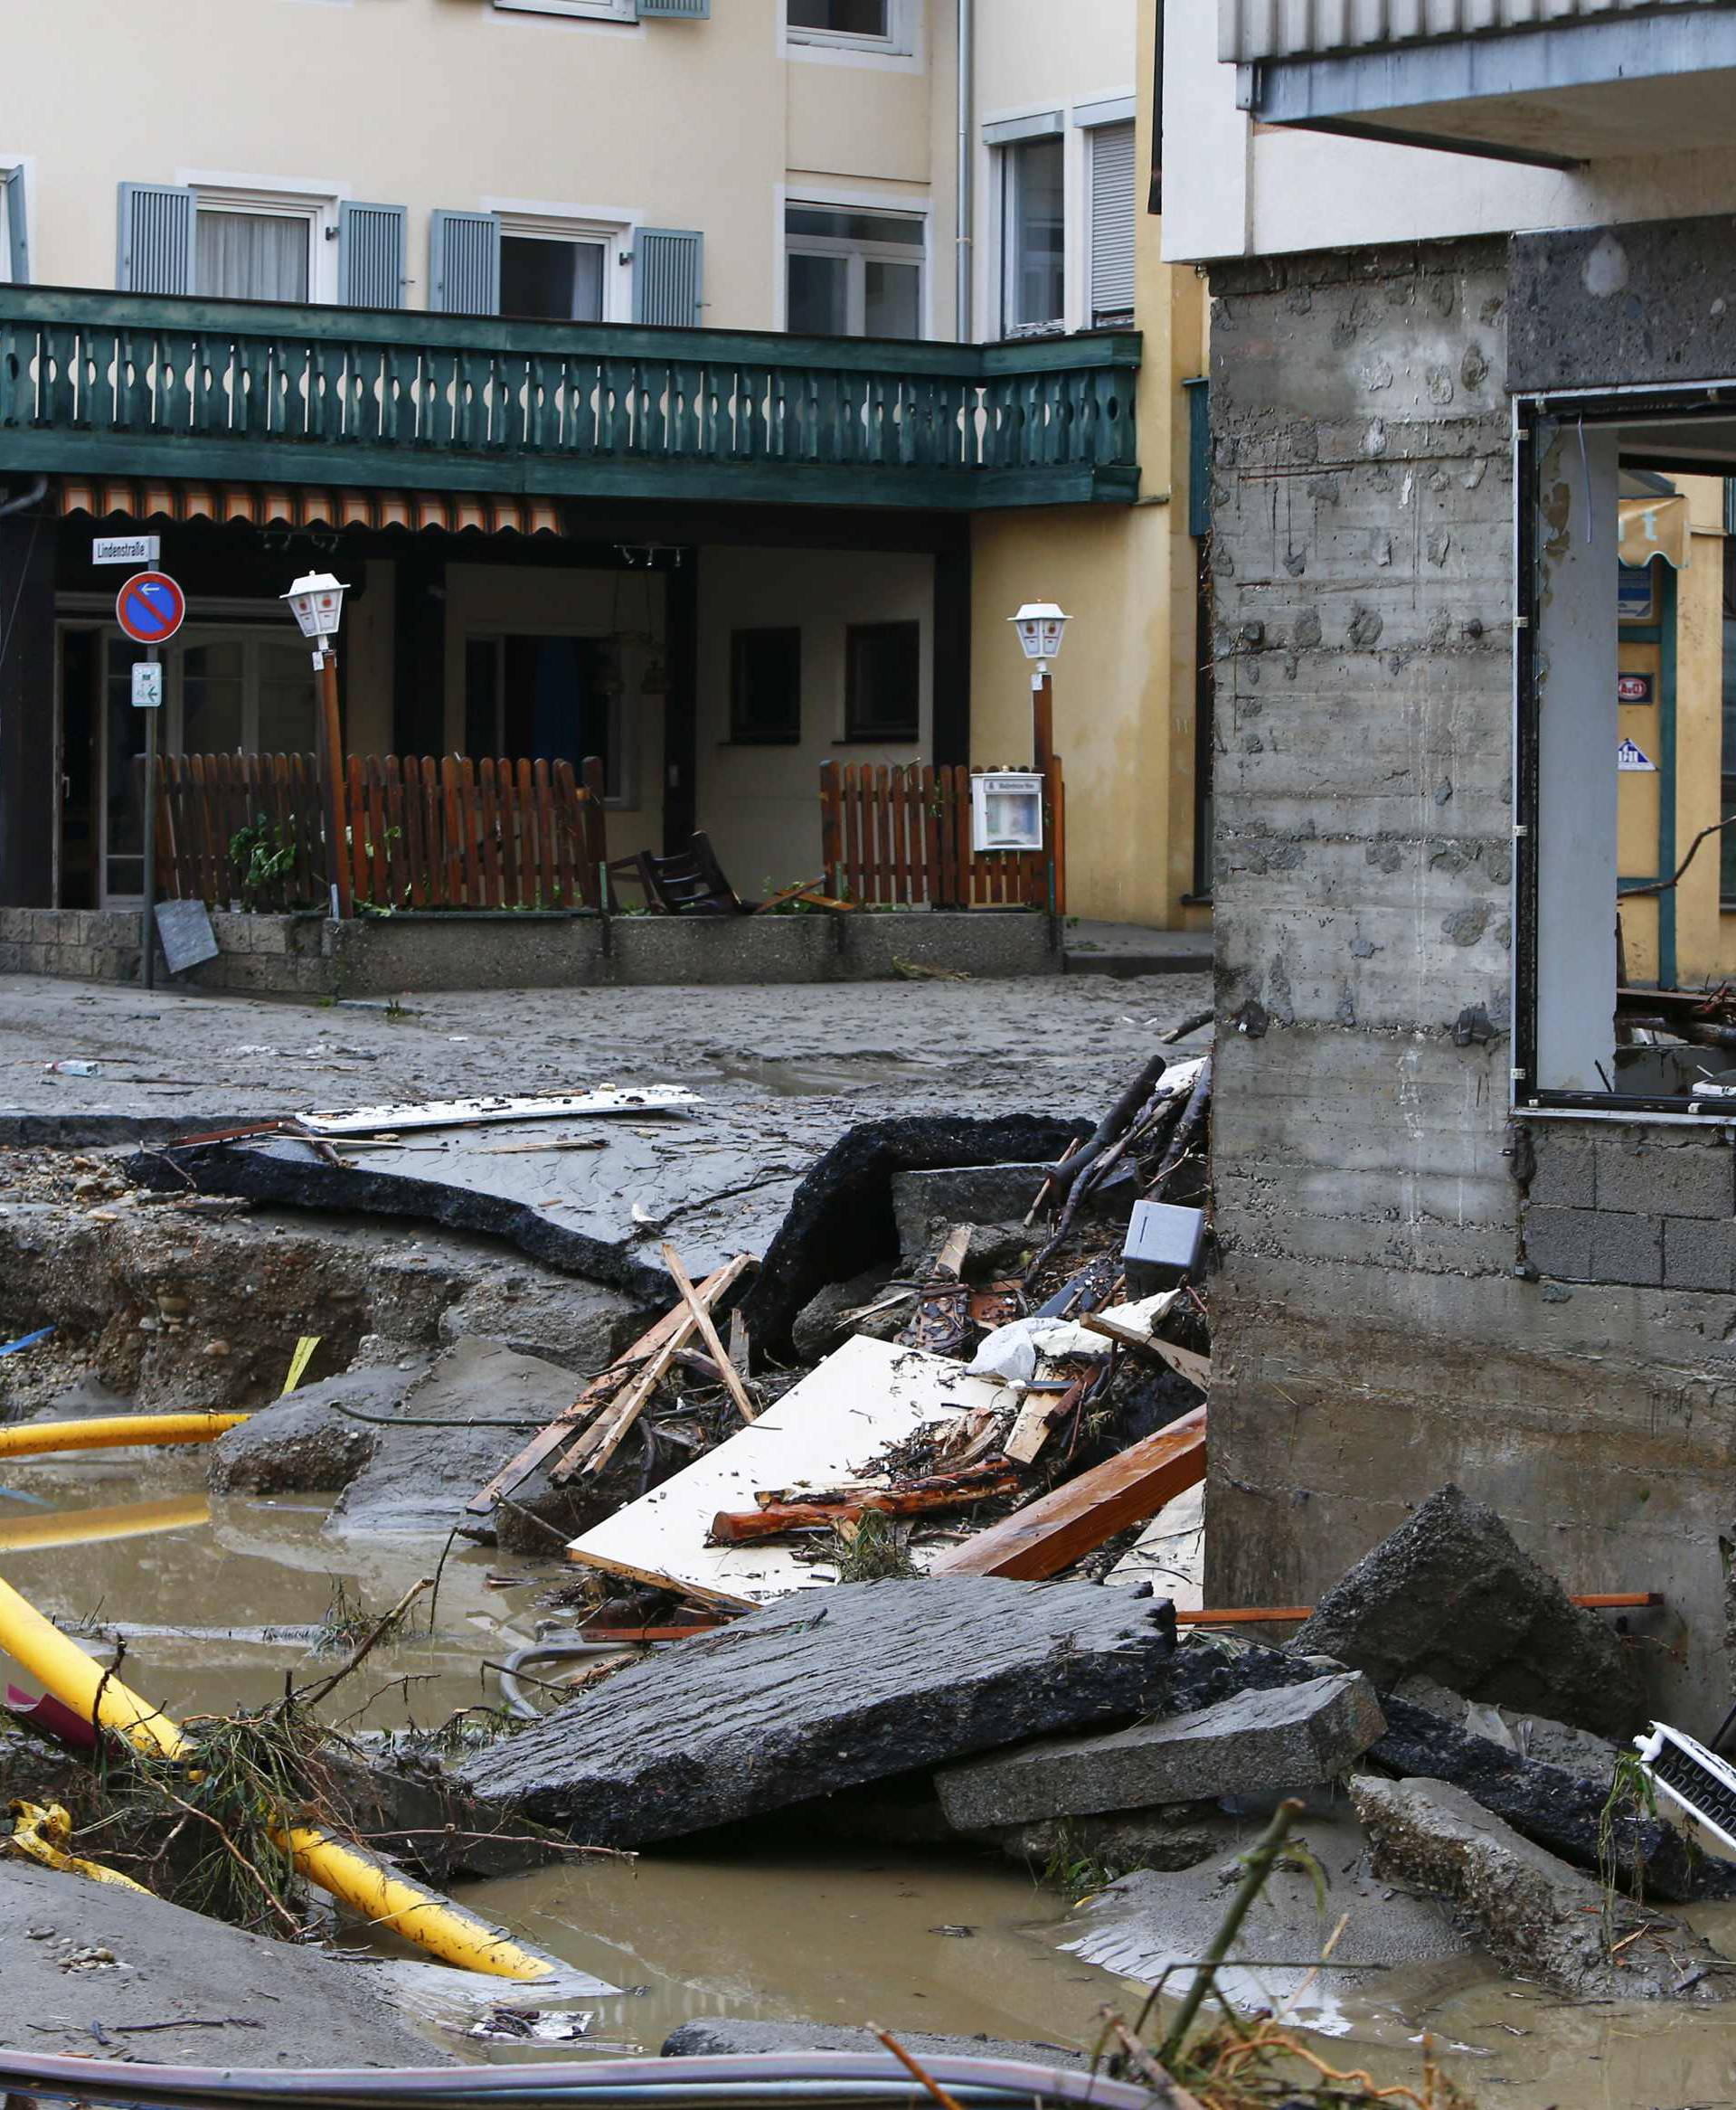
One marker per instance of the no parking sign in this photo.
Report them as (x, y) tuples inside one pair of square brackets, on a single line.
[(150, 607)]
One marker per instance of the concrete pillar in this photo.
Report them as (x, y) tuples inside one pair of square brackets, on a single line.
[(1575, 684), (30, 800)]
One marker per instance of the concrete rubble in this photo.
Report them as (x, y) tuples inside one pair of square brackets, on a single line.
[(1450, 1595), (1535, 1914), (1258, 1743)]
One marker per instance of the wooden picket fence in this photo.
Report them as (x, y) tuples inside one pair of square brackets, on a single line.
[(423, 834), (899, 837)]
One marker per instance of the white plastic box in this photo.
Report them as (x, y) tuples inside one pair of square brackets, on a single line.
[(1007, 811)]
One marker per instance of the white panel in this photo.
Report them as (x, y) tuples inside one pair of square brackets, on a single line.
[(1114, 202), (1576, 532)]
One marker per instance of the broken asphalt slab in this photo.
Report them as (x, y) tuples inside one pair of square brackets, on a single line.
[(800, 1699), (770, 1176), (84, 1960), (1255, 1743), (1535, 1914), (1451, 1595), (728, 2036)]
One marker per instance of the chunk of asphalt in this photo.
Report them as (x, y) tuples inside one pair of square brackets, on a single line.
[(726, 2037), (1535, 1914), (1451, 1595), (1256, 1743), (825, 1690)]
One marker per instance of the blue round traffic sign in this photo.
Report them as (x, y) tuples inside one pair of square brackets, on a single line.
[(150, 607)]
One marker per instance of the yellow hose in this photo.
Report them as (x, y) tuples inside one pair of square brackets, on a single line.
[(43, 1832), (359, 1878), (91, 1526), (115, 1431)]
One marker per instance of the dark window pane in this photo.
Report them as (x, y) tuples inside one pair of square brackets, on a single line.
[(819, 296), (766, 686), (1036, 210), (859, 18), (892, 300), (853, 226), (882, 681), (481, 697), (552, 282)]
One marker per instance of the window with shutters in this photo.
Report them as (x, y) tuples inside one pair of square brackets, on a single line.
[(263, 245), (853, 274), (1112, 221), (1033, 237)]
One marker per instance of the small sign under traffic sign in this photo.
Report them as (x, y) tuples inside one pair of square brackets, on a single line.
[(147, 686), (127, 549)]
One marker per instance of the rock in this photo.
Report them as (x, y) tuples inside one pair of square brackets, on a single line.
[(1122, 1841), (825, 1691), (1534, 1913), (581, 1325), (723, 2037), (1575, 1751), (817, 1329), (840, 1219), (278, 2005), (418, 1478), (961, 1194), (1152, 1923), (1451, 1594), (1559, 1810), (303, 1444), (1258, 1743)]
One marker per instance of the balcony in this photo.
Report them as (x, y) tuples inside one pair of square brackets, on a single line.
[(127, 385), (1558, 83)]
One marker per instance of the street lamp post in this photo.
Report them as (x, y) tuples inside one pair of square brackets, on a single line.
[(1041, 625), (316, 602)]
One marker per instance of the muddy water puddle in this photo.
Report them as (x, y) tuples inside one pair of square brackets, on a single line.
[(220, 1600)]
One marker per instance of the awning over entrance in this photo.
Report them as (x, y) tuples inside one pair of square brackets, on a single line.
[(262, 506), (1656, 527)]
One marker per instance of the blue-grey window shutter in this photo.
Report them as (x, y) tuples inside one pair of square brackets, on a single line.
[(668, 276), (464, 263), (156, 239), (682, 10), (11, 181), (370, 255)]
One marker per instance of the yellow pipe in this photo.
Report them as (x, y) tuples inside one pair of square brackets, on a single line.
[(43, 1832), (358, 1878), (113, 1432), (91, 1526)]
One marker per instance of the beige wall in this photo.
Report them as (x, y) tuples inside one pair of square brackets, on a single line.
[(762, 805), (456, 103)]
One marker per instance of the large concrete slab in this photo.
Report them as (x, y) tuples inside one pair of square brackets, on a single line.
[(801, 1698), (1451, 1595), (272, 2003), (1255, 1743), (1538, 1916)]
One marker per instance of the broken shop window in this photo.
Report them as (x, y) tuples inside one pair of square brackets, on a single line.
[(1626, 941)]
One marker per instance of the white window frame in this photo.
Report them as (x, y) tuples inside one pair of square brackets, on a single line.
[(1002, 165), (624, 730), (625, 12), (9, 164), (858, 255), (901, 46), (313, 202), (784, 196), (610, 230)]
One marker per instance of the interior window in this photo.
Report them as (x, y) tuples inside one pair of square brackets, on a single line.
[(252, 256), (882, 681), (853, 274), (856, 18), (551, 279), (766, 688), (1034, 217)]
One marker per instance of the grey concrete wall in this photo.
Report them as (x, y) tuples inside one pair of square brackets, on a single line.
[(1392, 1312), (415, 955)]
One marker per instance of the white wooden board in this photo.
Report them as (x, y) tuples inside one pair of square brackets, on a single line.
[(822, 1434)]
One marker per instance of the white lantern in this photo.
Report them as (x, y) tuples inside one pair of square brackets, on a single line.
[(317, 601), (1041, 625)]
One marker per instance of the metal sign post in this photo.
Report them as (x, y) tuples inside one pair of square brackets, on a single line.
[(147, 696)]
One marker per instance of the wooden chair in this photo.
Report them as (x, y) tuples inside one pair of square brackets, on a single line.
[(692, 883)]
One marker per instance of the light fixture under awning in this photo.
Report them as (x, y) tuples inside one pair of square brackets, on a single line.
[(1656, 527)]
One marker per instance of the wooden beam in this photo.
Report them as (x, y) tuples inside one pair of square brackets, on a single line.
[(776, 1520), (702, 1318), (1051, 1533), (1195, 1369)]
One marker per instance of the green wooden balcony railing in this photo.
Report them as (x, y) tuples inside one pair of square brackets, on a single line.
[(134, 384)]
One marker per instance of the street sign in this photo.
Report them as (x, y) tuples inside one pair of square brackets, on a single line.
[(127, 549), (150, 607), (147, 686)]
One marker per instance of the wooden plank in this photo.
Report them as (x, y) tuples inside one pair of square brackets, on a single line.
[(451, 833), (397, 847), (470, 843), (823, 1432), (596, 830), (600, 1442), (928, 891), (600, 1390), (566, 829), (1051, 1533), (355, 813), (901, 873), (945, 1493), (545, 835), (1196, 1368), (511, 871), (708, 1333), (490, 803), (1039, 1416), (831, 821)]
